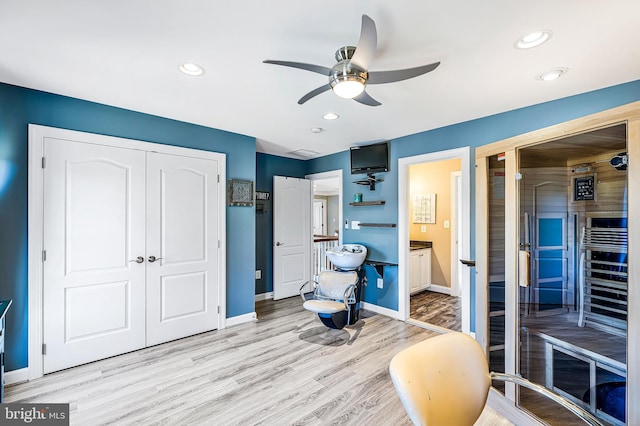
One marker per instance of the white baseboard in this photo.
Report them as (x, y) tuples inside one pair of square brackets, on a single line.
[(440, 289), (241, 319), (380, 310), (264, 296), (16, 376)]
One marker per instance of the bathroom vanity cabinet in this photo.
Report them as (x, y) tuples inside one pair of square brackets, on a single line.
[(420, 273)]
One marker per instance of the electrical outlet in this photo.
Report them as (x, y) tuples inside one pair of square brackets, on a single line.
[(355, 224), (380, 283), (258, 274)]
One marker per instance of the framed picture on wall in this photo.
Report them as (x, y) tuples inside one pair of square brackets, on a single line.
[(240, 193), (424, 208)]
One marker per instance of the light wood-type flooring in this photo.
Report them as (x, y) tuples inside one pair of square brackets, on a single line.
[(436, 309), (286, 368)]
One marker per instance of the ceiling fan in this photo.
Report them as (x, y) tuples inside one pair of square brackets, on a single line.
[(351, 74)]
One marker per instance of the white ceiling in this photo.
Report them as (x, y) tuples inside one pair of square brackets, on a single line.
[(126, 53)]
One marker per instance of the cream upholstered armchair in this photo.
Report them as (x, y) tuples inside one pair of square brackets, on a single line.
[(445, 380)]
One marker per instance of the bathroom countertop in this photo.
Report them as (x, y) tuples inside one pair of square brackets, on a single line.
[(419, 245)]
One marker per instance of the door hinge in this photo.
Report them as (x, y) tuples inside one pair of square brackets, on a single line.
[(44, 255), (44, 349), (44, 162), (218, 243), (218, 178), (218, 309)]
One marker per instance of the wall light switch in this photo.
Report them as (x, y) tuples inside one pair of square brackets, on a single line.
[(355, 224), (423, 228), (380, 283), (258, 274), (446, 224), (346, 224)]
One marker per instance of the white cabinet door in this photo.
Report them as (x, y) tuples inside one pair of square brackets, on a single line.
[(415, 271), (182, 234), (291, 235), (420, 270), (94, 294), (425, 268)]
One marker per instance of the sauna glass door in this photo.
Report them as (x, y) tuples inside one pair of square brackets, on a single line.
[(572, 274)]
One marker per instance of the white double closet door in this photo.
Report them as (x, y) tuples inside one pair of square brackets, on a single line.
[(108, 212)]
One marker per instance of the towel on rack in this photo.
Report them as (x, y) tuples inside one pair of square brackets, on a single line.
[(524, 269)]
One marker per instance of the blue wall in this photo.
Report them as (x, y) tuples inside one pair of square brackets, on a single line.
[(268, 166), (383, 242), (19, 107)]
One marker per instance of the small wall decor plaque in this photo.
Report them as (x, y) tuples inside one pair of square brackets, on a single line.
[(240, 192)]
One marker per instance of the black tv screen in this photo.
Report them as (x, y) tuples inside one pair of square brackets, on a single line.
[(370, 158)]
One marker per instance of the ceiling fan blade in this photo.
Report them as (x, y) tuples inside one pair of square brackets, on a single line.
[(301, 65), (365, 99), (366, 49), (313, 93), (381, 77)]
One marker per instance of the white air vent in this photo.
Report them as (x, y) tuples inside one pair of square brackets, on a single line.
[(304, 153)]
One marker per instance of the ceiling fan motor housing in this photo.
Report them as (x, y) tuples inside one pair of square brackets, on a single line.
[(344, 70)]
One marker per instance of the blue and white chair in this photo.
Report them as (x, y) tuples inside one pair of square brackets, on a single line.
[(333, 298)]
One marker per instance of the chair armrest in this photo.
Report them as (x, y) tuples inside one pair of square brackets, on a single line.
[(347, 294), (586, 416), (315, 284)]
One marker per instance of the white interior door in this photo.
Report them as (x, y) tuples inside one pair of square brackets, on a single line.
[(291, 235), (94, 291), (319, 217), (182, 237)]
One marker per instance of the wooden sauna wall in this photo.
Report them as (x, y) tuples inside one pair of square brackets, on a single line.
[(610, 188)]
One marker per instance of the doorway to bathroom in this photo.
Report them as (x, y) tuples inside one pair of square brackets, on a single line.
[(433, 233)]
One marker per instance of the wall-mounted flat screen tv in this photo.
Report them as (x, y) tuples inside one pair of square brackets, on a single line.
[(370, 158)]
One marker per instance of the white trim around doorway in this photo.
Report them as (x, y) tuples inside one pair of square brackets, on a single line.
[(464, 154)]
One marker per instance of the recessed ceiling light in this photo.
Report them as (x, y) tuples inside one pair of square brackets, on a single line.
[(316, 130), (331, 116), (533, 39), (552, 74), (191, 68)]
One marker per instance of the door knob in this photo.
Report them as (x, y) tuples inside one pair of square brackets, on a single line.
[(279, 243), (138, 259), (153, 258)]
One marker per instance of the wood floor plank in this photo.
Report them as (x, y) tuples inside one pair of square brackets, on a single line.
[(284, 369)]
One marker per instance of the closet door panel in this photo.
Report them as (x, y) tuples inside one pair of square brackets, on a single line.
[(182, 234), (93, 293)]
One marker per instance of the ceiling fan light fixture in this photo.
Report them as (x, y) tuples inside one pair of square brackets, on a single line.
[(533, 39), (348, 86)]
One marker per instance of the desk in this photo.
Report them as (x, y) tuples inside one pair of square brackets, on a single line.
[(4, 307)]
